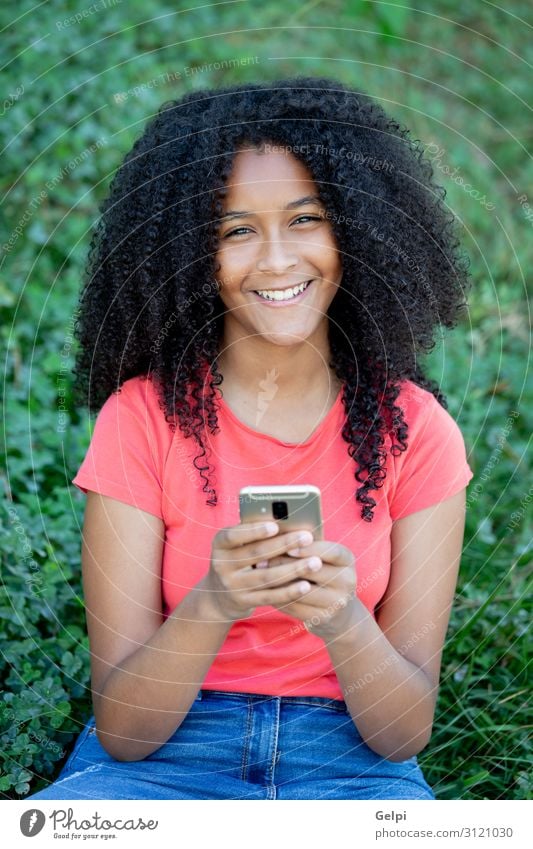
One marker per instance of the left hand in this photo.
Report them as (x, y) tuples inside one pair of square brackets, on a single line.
[(328, 609)]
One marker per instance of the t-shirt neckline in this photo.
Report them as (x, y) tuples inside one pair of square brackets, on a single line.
[(313, 436)]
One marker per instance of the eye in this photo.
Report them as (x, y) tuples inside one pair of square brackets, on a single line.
[(300, 218), (234, 232), (309, 218)]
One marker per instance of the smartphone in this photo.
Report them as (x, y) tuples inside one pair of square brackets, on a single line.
[(295, 508)]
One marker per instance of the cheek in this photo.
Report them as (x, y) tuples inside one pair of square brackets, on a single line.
[(331, 266), (234, 262), (336, 265), (328, 251)]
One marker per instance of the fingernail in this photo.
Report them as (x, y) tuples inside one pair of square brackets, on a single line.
[(314, 564), (305, 538), (261, 564)]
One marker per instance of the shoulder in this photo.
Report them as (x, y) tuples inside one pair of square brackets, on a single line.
[(137, 407), (432, 429), (138, 390), (434, 465), (422, 412), (412, 396), (138, 394)]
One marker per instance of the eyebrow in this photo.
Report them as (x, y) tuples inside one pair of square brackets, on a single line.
[(292, 205)]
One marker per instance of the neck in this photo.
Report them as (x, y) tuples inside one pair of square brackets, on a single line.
[(252, 364)]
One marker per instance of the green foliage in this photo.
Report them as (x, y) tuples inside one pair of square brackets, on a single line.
[(77, 96), (44, 664)]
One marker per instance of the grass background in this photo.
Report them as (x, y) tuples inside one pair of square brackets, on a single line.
[(77, 94)]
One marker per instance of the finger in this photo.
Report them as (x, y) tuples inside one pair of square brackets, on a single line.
[(288, 571), (330, 552), (328, 578), (279, 597), (283, 560), (320, 572), (317, 606), (264, 549), (246, 532)]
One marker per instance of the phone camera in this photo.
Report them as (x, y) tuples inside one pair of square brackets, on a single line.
[(279, 509)]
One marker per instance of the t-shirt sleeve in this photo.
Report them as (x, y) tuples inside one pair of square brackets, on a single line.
[(123, 460), (434, 465)]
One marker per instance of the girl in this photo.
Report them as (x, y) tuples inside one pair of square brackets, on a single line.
[(284, 242)]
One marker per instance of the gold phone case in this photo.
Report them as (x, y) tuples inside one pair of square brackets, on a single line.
[(295, 508)]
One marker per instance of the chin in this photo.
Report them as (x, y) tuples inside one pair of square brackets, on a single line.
[(285, 340)]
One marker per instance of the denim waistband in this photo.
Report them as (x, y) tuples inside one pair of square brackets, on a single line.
[(313, 701)]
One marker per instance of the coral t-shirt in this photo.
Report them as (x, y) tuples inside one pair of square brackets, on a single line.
[(134, 457)]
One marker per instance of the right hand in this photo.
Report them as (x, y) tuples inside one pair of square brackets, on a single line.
[(237, 588)]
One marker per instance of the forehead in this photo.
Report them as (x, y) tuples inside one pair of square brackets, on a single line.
[(274, 172)]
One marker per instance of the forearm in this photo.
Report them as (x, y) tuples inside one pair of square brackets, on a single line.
[(147, 697), (390, 700)]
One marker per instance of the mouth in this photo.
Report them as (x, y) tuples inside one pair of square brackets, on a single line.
[(283, 298)]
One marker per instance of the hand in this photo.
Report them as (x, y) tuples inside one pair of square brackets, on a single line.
[(329, 608), (236, 587)]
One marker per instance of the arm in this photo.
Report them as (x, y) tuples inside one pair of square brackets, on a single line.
[(142, 686), (146, 672), (389, 668)]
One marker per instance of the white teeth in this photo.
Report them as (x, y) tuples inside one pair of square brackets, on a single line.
[(285, 295)]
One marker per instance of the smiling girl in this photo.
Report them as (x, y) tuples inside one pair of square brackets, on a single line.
[(260, 296)]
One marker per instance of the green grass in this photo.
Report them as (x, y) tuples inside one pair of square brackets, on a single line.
[(458, 77)]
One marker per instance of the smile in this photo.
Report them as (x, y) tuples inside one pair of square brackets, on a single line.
[(285, 295)]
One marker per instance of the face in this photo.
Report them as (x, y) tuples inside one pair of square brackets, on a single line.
[(274, 236)]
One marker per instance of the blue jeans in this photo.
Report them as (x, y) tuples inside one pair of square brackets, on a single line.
[(245, 746)]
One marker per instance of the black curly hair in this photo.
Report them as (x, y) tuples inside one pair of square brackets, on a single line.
[(150, 305)]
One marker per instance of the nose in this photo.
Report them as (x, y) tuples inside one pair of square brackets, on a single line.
[(276, 256)]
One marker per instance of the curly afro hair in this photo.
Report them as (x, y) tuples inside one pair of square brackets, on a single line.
[(150, 305)]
